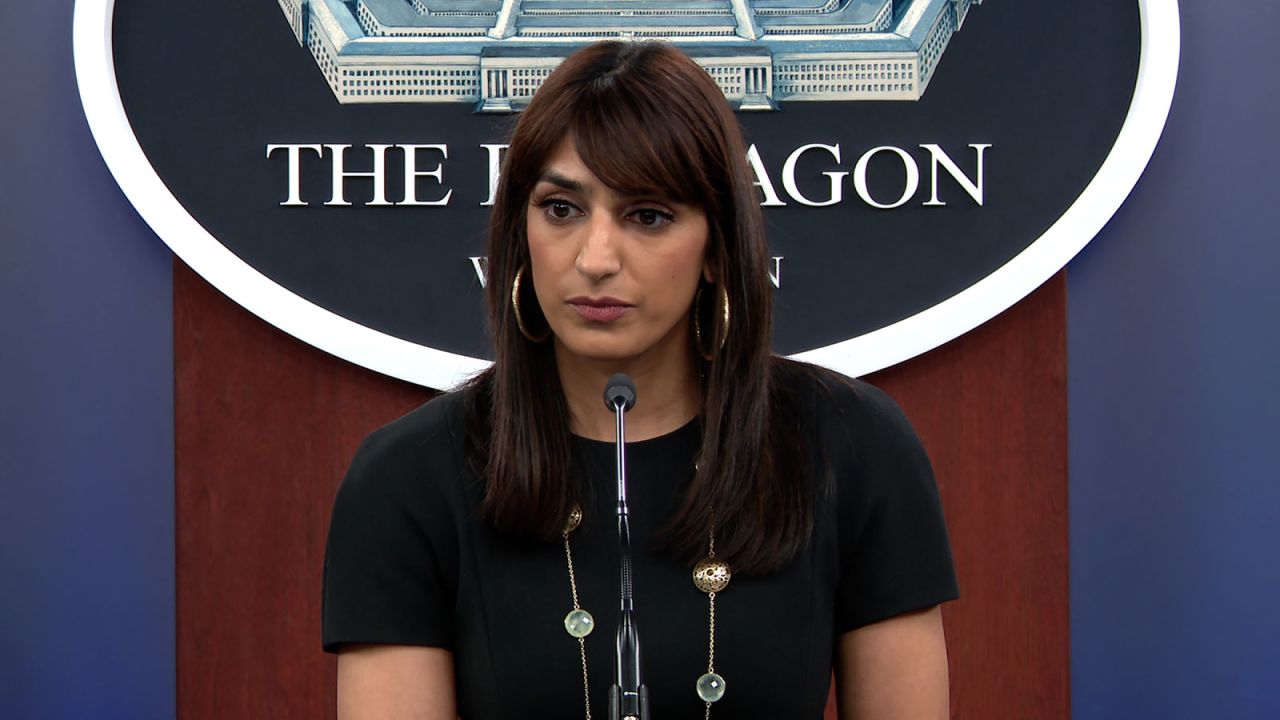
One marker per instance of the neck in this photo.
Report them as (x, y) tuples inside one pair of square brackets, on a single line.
[(667, 394)]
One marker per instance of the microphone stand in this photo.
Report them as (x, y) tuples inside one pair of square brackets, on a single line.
[(628, 697)]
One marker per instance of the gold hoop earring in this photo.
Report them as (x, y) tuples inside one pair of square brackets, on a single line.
[(722, 333), (515, 309)]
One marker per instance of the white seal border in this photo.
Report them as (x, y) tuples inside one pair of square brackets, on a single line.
[(1029, 269), (422, 365)]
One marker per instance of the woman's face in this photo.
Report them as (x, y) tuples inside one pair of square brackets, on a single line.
[(615, 274)]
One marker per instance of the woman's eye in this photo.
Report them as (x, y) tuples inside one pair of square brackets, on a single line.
[(651, 217), (558, 209)]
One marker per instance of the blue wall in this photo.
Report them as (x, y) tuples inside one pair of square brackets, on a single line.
[(1174, 372), (1175, 507), (86, 429)]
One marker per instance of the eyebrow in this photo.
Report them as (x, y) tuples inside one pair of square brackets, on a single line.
[(559, 180)]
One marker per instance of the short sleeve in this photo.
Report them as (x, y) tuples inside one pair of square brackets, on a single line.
[(389, 571), (894, 553)]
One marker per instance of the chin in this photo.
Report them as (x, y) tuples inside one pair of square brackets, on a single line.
[(620, 343), (600, 351), (603, 347)]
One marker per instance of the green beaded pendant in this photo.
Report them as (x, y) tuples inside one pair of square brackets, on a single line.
[(579, 623), (710, 687)]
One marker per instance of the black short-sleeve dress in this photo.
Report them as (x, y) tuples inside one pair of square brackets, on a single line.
[(410, 562)]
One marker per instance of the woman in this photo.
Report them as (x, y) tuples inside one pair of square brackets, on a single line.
[(471, 538)]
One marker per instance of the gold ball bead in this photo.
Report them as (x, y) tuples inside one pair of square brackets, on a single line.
[(574, 520), (711, 575)]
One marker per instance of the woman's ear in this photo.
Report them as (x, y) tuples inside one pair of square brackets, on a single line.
[(707, 275)]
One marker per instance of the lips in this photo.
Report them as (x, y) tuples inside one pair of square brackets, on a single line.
[(601, 310)]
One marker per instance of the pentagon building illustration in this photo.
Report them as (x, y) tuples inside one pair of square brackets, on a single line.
[(495, 53)]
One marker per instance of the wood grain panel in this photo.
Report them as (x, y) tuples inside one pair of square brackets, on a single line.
[(266, 425), (991, 408), (265, 429)]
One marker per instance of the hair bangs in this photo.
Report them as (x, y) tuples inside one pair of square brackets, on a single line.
[(637, 147)]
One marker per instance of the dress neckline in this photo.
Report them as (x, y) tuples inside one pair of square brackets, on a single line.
[(676, 437)]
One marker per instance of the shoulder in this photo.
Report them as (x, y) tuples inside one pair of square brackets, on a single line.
[(428, 442), (432, 423), (853, 407), (857, 430)]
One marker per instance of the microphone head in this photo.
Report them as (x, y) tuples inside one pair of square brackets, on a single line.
[(620, 391)]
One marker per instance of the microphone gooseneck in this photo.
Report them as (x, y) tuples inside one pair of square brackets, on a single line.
[(628, 698)]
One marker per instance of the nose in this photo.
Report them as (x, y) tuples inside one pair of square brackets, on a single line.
[(598, 255)]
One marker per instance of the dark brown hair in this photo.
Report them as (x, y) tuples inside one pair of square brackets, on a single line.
[(645, 119)]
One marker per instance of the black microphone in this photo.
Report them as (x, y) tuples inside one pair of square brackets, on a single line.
[(628, 698), (620, 391)]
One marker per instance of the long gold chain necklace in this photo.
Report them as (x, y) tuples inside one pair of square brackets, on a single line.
[(711, 576)]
